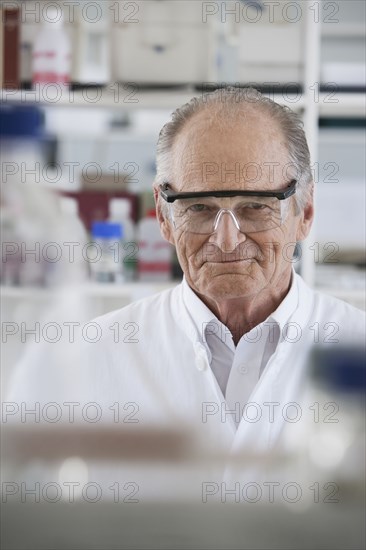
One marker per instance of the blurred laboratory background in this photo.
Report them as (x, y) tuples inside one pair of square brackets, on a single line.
[(86, 88)]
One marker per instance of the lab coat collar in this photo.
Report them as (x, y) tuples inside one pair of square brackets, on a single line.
[(199, 315), (300, 297)]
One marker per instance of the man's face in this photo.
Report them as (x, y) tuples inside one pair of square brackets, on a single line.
[(251, 154)]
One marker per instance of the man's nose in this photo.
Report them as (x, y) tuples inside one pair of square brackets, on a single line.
[(227, 235)]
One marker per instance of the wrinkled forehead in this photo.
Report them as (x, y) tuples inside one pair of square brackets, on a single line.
[(247, 153)]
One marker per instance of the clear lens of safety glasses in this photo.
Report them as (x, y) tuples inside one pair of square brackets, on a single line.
[(250, 214)]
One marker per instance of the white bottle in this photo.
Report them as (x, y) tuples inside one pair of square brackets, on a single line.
[(155, 253), (10, 248), (51, 57), (74, 268), (120, 212), (91, 61)]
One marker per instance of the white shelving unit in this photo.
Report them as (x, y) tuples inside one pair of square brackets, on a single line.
[(89, 290), (330, 104), (342, 105), (344, 30), (104, 98), (312, 104)]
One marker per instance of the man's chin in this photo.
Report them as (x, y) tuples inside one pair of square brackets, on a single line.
[(232, 279), (235, 286)]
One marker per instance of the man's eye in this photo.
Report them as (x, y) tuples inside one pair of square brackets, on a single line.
[(197, 208), (256, 206)]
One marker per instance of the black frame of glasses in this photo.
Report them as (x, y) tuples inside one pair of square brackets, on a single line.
[(171, 196)]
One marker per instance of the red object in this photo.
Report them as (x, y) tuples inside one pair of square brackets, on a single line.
[(51, 77), (11, 32), (94, 205), (154, 267)]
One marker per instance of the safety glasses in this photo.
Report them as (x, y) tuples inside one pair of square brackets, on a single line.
[(251, 211)]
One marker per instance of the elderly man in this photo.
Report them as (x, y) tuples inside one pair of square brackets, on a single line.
[(234, 193), (227, 349)]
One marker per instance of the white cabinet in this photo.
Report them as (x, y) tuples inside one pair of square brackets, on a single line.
[(343, 45), (161, 42), (271, 43), (341, 195)]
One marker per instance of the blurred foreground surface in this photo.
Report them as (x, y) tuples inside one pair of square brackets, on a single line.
[(181, 526)]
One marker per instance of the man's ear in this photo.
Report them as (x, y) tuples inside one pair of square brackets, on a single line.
[(306, 217), (165, 225)]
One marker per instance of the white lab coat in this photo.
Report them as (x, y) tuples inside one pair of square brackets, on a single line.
[(150, 359), (160, 360)]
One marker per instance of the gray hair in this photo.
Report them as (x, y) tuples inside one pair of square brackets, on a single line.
[(229, 101)]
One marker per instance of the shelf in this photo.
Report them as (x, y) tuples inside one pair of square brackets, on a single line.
[(341, 104), (103, 97), (344, 30), (331, 103), (141, 99), (126, 290), (91, 290)]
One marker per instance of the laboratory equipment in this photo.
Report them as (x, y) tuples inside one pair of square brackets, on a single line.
[(120, 212), (51, 52), (154, 252), (104, 252)]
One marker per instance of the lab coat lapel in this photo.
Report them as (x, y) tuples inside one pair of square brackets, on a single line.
[(211, 398), (280, 383)]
